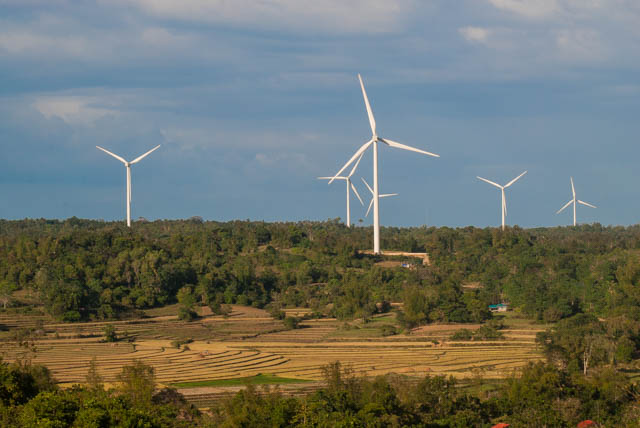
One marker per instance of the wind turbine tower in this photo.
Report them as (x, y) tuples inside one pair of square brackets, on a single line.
[(350, 187), (504, 200), (128, 166), (574, 201), (375, 139)]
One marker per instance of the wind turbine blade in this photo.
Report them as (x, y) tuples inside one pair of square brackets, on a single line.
[(139, 158), (388, 194), (361, 150), (112, 154), (566, 205), (368, 187), (369, 209), (405, 147), (573, 189), (356, 192), (514, 180), (586, 203), (490, 182), (372, 120), (355, 166), (332, 178)]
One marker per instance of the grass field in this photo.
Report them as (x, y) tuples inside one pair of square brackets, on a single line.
[(261, 379)]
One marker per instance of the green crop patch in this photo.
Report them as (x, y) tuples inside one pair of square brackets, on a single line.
[(260, 379)]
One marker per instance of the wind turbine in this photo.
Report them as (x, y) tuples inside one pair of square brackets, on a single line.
[(128, 166), (504, 200), (373, 196), (349, 187), (375, 139), (573, 201)]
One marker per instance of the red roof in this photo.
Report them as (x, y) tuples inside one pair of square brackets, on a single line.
[(501, 425), (586, 423)]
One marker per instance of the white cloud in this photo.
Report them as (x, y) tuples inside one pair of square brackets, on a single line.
[(287, 161), (72, 109), (527, 8), (161, 37), (474, 34), (580, 45), (354, 16), (29, 42)]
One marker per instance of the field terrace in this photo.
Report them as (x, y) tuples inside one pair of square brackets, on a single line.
[(249, 342)]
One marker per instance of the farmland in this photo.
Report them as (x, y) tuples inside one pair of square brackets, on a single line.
[(249, 343)]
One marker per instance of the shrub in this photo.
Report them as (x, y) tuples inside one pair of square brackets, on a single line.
[(110, 334), (388, 330), (187, 314), (464, 334), (487, 333), (71, 316), (292, 323)]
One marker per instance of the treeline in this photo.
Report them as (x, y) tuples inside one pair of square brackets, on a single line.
[(539, 395), (84, 269)]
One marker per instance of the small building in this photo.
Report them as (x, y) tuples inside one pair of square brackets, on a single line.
[(500, 307)]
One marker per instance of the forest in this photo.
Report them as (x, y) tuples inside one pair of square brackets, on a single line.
[(94, 270)]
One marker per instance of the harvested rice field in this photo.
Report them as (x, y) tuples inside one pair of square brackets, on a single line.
[(249, 343)]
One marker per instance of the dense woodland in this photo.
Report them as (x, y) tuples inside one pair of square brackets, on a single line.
[(82, 269)]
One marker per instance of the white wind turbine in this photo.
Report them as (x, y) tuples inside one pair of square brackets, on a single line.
[(128, 166), (373, 196), (349, 187), (375, 139), (504, 200), (574, 201)]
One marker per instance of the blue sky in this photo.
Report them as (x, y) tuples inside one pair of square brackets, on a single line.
[(251, 100)]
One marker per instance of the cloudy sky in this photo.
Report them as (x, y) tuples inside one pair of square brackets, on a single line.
[(252, 99)]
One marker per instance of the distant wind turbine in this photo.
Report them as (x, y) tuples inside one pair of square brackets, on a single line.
[(374, 141), (373, 196), (573, 201), (504, 200), (350, 186), (128, 166)]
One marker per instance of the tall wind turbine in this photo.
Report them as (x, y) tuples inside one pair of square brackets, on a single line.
[(573, 201), (375, 139), (373, 196), (349, 187), (504, 200), (128, 166)]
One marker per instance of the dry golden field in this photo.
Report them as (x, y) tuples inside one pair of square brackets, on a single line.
[(250, 342)]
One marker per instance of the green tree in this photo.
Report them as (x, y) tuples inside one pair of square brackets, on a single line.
[(94, 381), (6, 291), (187, 300), (137, 381), (110, 334)]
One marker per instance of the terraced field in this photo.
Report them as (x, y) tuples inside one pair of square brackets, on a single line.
[(249, 342)]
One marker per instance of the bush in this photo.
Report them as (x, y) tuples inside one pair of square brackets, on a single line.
[(276, 312), (464, 334), (110, 334), (71, 316), (388, 330), (292, 323), (487, 333), (177, 343), (187, 314)]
